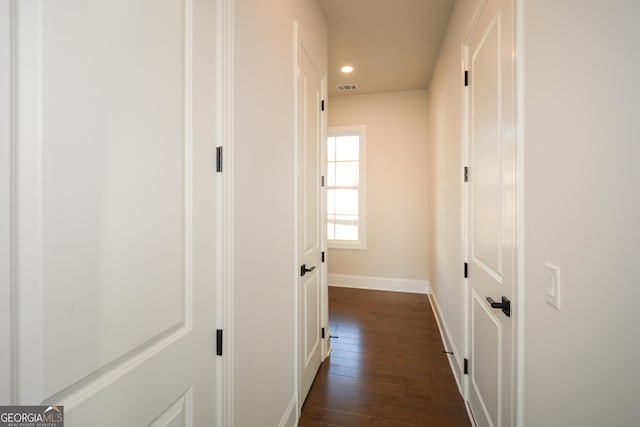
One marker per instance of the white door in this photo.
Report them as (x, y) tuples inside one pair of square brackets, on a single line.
[(309, 221), (115, 211), (491, 215)]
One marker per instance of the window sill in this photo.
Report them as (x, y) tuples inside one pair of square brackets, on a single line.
[(346, 244)]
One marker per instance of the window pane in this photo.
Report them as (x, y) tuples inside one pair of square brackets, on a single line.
[(346, 227), (331, 174), (347, 147), (347, 174), (343, 186), (331, 197), (331, 148), (331, 225), (346, 202)]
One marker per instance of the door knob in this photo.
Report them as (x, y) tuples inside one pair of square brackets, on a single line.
[(505, 305), (304, 270)]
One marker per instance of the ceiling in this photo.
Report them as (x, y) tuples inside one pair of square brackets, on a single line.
[(392, 44)]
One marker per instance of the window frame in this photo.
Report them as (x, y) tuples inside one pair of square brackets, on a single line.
[(361, 132)]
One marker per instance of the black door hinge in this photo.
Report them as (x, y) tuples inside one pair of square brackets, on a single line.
[(322, 256), (322, 333), (218, 159), (322, 180), (466, 174), (466, 270), (466, 77), (322, 105), (466, 366), (219, 342)]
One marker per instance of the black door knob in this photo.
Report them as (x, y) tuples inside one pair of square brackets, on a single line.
[(304, 270), (505, 305)]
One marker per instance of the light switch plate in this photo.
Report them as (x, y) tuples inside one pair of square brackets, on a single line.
[(552, 284)]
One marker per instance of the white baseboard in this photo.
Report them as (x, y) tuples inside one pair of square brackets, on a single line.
[(290, 418), (447, 341), (380, 283)]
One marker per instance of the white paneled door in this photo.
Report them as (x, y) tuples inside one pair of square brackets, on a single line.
[(114, 255), (491, 215), (309, 221)]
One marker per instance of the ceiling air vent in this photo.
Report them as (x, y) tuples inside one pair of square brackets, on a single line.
[(348, 86)]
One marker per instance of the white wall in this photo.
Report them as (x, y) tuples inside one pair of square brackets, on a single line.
[(263, 171), (581, 150), (397, 176)]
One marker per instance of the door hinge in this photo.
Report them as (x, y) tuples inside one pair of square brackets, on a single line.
[(466, 77), (466, 174), (322, 105), (218, 159), (322, 256), (219, 342), (466, 366), (466, 270), (322, 180), (322, 333)]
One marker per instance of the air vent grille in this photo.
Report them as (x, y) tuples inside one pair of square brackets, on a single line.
[(348, 86)]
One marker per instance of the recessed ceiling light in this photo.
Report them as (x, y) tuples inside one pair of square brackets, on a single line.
[(346, 69)]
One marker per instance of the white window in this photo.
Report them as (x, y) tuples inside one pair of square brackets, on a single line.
[(346, 187)]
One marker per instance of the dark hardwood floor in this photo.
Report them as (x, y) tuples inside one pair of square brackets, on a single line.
[(386, 368)]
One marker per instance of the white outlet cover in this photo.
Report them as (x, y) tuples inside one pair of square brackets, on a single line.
[(552, 284)]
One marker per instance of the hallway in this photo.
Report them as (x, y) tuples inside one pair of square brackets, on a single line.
[(386, 367)]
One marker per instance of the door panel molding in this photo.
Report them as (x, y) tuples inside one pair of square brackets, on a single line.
[(483, 354), (101, 378), (180, 413), (34, 379), (311, 299), (109, 196), (486, 232)]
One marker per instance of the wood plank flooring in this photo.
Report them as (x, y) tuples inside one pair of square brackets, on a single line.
[(386, 368)]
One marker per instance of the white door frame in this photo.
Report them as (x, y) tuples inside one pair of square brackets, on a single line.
[(296, 224), (224, 203), (464, 201), (519, 291), (324, 273), (7, 179)]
